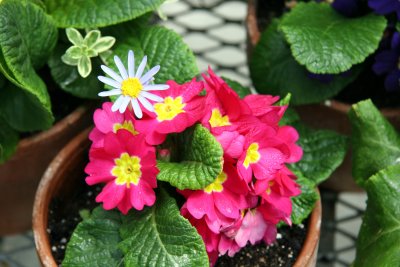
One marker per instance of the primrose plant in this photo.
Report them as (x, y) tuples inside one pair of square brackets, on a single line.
[(190, 170)]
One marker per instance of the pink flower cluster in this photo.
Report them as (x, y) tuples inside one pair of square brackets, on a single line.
[(247, 199)]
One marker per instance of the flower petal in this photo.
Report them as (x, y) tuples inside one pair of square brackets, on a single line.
[(111, 73), (141, 67), (110, 92), (131, 64), (124, 104), (136, 108), (110, 82), (146, 103), (151, 96), (145, 78), (121, 67), (117, 103), (152, 87)]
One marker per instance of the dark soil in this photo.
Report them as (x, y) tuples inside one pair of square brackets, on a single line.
[(282, 253), (64, 217)]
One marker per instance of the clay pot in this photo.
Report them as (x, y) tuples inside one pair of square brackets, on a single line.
[(330, 115), (20, 175), (68, 166)]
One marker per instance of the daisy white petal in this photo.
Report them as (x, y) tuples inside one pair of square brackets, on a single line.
[(121, 67), (109, 82), (151, 96), (110, 92), (155, 87), (124, 104), (146, 103), (131, 64), (149, 75), (111, 73), (141, 67), (117, 103), (136, 108)]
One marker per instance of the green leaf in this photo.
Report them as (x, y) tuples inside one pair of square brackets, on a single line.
[(303, 204), (290, 117), (326, 42), (103, 44), (94, 241), (74, 36), (274, 71), (159, 236), (74, 52), (84, 66), (201, 161), (323, 152), (23, 49), (8, 141), (91, 37), (376, 144), (68, 78), (162, 46), (237, 87), (97, 13), (378, 240), (22, 110)]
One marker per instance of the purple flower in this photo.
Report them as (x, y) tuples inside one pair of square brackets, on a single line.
[(348, 8), (384, 7), (388, 62)]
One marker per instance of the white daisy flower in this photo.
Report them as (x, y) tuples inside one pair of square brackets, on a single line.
[(132, 87)]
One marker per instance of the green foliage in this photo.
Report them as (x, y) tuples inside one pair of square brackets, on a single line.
[(274, 71), (162, 46), (156, 236), (378, 240), (22, 51), (237, 87), (376, 144), (200, 162), (326, 42), (97, 13), (8, 141)]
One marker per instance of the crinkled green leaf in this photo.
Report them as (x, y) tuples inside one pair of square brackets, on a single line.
[(68, 78), (376, 144), (237, 87), (162, 46), (84, 66), (200, 163), (103, 44), (74, 36), (23, 49), (274, 71), (303, 204), (8, 140), (323, 152), (95, 240), (97, 13), (378, 240), (159, 236), (326, 42)]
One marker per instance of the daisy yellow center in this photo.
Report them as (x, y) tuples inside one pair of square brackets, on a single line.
[(217, 120), (169, 109), (127, 170), (131, 87), (216, 186), (127, 125), (252, 155)]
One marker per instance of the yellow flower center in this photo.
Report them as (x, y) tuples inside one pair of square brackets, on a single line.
[(217, 120), (131, 87), (252, 155), (270, 184), (127, 125), (216, 186), (127, 170), (169, 109)]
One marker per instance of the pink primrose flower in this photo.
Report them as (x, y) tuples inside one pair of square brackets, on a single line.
[(182, 106), (107, 121), (128, 167), (262, 107)]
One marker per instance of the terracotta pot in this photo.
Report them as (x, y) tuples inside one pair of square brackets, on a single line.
[(21, 174), (67, 167), (330, 115)]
